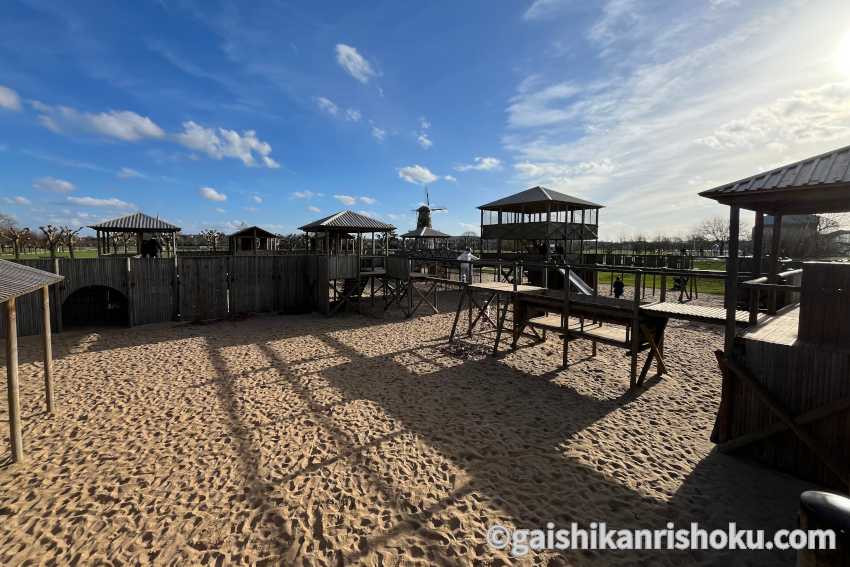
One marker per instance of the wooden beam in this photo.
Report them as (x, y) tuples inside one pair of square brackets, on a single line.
[(48, 349), (779, 410), (732, 279), (16, 440), (773, 273)]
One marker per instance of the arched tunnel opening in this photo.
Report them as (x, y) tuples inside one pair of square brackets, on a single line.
[(95, 305)]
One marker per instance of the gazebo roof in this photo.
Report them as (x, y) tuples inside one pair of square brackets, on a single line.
[(252, 230), (17, 280), (425, 232), (137, 222), (819, 184), (536, 200), (347, 221)]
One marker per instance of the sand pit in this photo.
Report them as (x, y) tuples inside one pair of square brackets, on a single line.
[(306, 440)]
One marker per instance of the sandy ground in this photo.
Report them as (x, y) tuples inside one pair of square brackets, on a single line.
[(307, 440)]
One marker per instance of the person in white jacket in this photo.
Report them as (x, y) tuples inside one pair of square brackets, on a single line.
[(466, 258)]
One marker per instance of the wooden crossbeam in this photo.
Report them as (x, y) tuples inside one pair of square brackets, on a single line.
[(782, 413), (423, 298)]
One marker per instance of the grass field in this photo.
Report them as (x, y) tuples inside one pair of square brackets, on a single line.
[(45, 255)]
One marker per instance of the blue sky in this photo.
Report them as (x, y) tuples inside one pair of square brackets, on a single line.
[(211, 114)]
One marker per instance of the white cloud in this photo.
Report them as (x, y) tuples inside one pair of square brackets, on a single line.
[(251, 209), (368, 200), (327, 105), (480, 164), (211, 194), (127, 173), (257, 199), (54, 185), (423, 123), (379, 133), (9, 99), (354, 64), (306, 194), (417, 174), (222, 143), (220, 210), (539, 9), (112, 203), (121, 124), (424, 140), (353, 115), (451, 178), (821, 113), (18, 200), (345, 199), (314, 209)]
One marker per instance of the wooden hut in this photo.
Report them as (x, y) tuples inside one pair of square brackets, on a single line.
[(541, 222), (786, 393), (140, 225), (17, 280), (332, 235), (253, 241), (425, 238)]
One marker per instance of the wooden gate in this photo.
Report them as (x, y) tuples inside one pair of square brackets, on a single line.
[(203, 287)]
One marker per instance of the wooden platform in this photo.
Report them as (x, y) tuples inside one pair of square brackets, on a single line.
[(779, 329), (502, 287), (691, 312)]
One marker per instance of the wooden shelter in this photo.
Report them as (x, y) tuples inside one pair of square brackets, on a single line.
[(426, 238), (786, 395), (138, 224), (332, 235), (252, 241), (17, 280), (544, 218)]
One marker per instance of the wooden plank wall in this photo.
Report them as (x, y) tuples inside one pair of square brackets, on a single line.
[(802, 377), (825, 304), (203, 287), (198, 288)]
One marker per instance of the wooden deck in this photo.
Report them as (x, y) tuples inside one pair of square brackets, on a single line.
[(690, 312), (502, 287), (779, 329)]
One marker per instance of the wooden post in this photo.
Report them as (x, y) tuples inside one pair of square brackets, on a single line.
[(635, 331), (16, 440), (565, 321), (758, 239), (48, 349), (732, 280), (773, 274)]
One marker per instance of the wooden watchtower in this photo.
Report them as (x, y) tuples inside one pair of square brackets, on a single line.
[(539, 222), (138, 224)]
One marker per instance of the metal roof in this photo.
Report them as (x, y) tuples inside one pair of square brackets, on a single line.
[(816, 184), (17, 280), (136, 222), (261, 232), (348, 221), (425, 232), (536, 199)]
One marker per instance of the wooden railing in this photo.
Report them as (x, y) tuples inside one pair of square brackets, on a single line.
[(758, 285)]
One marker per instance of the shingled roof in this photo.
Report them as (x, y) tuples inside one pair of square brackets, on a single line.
[(135, 223), (818, 184), (254, 231), (536, 200), (347, 221), (425, 232), (17, 280)]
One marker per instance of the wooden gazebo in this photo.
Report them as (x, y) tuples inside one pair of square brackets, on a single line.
[(542, 216), (425, 238), (331, 235), (17, 280), (786, 394), (138, 224)]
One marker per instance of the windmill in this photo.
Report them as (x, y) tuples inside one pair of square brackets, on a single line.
[(423, 213)]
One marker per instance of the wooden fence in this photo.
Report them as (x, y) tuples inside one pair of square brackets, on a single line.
[(196, 288)]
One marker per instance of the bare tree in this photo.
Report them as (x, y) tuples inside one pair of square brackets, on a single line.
[(17, 237), (52, 238), (211, 236), (70, 237), (716, 230)]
